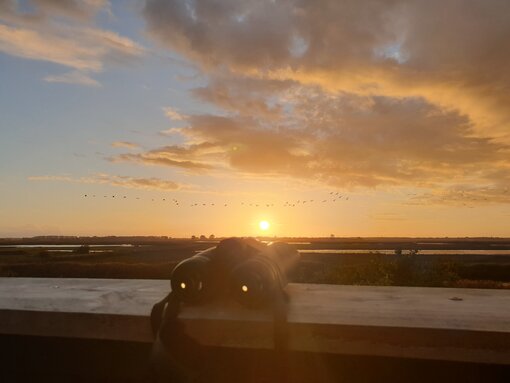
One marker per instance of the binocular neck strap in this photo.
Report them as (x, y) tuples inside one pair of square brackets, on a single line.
[(157, 314), (280, 336), (175, 357)]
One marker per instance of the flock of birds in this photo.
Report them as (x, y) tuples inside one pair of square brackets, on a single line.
[(332, 197)]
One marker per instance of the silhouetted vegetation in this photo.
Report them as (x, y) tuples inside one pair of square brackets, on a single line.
[(382, 270), (156, 261)]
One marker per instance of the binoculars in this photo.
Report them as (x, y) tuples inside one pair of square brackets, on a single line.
[(243, 268)]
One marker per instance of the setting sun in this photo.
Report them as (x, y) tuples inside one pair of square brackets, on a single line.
[(264, 225)]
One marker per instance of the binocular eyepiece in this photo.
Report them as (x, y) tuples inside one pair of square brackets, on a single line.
[(250, 271)]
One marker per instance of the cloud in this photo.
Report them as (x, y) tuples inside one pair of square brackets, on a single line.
[(37, 10), (73, 77), (347, 93), (162, 158), (81, 9), (244, 95), (137, 183), (464, 195), (172, 114), (371, 47), (121, 181), (125, 144), (62, 33), (170, 131), (81, 49), (339, 139)]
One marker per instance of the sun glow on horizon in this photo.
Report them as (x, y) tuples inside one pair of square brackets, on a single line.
[(264, 225)]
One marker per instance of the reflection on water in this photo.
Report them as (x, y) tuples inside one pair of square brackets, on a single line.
[(337, 251), (71, 246), (392, 251)]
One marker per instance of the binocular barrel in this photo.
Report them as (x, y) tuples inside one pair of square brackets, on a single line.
[(251, 270), (191, 279), (255, 281), (206, 274)]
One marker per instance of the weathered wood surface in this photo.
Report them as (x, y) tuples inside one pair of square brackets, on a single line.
[(430, 323)]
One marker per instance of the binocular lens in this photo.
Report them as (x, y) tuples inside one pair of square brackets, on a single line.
[(253, 282), (189, 279)]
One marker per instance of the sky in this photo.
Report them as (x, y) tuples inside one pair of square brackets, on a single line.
[(179, 118)]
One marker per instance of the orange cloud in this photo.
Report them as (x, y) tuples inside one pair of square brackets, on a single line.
[(382, 48), (161, 158), (348, 92), (124, 144), (342, 139)]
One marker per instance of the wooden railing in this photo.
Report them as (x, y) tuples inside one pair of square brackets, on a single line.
[(468, 325)]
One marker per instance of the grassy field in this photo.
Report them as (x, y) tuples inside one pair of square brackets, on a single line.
[(396, 262)]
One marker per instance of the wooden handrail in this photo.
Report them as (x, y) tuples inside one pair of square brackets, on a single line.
[(469, 325)]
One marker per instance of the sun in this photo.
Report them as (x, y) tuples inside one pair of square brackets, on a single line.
[(264, 225)]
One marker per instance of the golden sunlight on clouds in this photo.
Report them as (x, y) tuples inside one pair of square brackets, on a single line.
[(346, 93), (124, 144), (376, 117)]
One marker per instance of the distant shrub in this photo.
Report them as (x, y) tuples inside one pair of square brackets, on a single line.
[(442, 273), (376, 271), (496, 272), (379, 270), (309, 271), (83, 270)]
